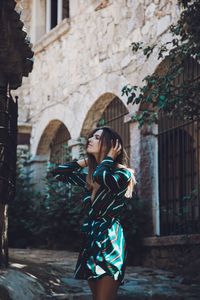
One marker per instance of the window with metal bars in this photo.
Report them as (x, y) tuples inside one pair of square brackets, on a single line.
[(113, 116), (59, 145), (56, 11), (179, 170)]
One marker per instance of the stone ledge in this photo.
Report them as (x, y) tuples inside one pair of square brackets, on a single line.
[(51, 36), (186, 239), (24, 128)]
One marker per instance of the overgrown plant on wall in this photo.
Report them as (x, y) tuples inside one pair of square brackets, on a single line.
[(160, 92)]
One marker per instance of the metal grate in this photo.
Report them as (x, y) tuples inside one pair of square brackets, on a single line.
[(113, 116), (179, 171), (59, 145)]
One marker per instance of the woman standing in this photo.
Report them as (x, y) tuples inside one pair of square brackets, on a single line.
[(102, 258)]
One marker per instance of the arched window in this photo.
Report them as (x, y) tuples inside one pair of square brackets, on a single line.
[(58, 146), (113, 116), (179, 169)]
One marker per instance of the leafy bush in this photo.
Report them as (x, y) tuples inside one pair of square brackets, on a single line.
[(21, 210), (135, 219), (53, 219), (48, 220), (59, 216)]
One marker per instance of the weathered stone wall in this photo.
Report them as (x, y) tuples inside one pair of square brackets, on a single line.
[(175, 252), (88, 58), (94, 56)]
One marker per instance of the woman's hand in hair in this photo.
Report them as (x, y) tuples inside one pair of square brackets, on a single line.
[(83, 162), (115, 150)]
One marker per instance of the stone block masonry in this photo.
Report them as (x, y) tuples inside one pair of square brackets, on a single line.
[(82, 64)]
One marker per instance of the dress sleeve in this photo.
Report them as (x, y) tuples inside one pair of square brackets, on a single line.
[(115, 180), (70, 173)]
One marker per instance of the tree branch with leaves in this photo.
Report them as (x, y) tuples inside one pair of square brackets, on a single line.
[(177, 90)]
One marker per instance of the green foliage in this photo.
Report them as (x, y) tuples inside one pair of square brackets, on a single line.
[(21, 210), (135, 219), (59, 216), (53, 219), (50, 219), (161, 92)]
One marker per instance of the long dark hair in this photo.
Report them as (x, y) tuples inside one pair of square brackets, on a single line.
[(108, 139)]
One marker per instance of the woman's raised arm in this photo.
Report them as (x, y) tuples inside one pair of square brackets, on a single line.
[(71, 172), (106, 175)]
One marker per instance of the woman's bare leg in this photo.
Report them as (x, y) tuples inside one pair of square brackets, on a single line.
[(93, 286), (106, 288)]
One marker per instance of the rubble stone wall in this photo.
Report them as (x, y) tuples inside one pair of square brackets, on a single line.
[(88, 58)]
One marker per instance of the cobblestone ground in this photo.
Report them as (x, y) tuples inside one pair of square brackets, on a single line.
[(53, 271)]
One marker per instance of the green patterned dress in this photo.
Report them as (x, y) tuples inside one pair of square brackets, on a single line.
[(104, 248)]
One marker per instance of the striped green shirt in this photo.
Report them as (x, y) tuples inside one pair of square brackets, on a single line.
[(104, 248)]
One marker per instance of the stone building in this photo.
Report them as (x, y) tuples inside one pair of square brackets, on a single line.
[(83, 58)]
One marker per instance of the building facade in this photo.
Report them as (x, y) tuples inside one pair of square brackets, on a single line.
[(83, 59)]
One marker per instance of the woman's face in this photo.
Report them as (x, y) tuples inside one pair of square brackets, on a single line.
[(94, 142)]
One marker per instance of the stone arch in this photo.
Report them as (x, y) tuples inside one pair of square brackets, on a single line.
[(96, 111), (54, 116), (109, 110), (59, 150), (149, 164), (48, 136), (160, 69), (43, 151), (163, 67), (178, 160)]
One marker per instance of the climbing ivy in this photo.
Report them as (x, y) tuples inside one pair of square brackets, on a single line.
[(160, 92)]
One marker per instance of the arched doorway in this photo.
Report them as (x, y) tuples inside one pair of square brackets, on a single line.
[(50, 149), (108, 110), (58, 146), (53, 141), (113, 116), (179, 169)]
